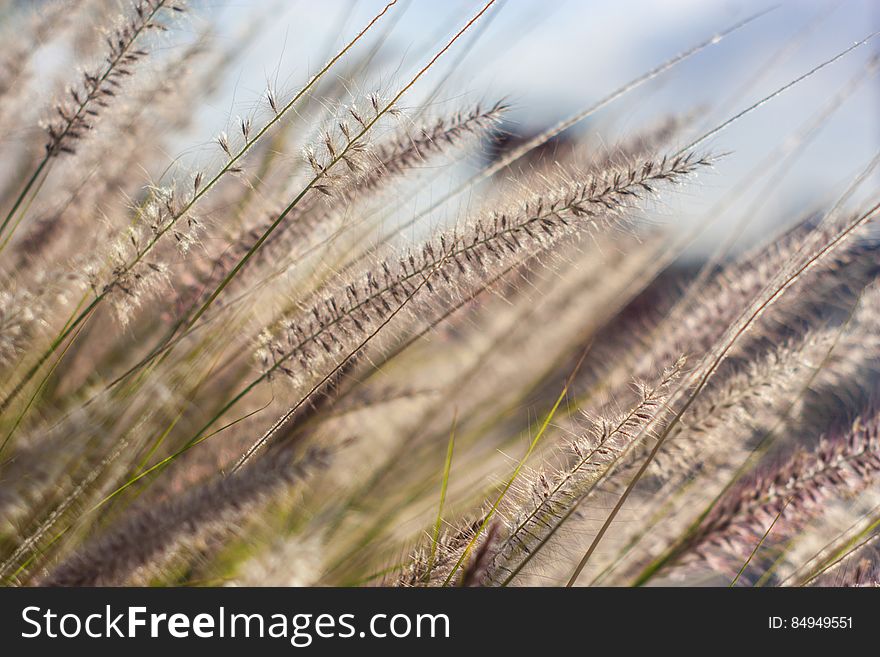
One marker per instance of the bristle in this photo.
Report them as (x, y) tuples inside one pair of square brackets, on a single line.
[(152, 535), (793, 492), (552, 495), (75, 115), (512, 327)]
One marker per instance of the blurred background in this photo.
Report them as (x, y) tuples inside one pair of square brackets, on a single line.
[(489, 371), (552, 59)]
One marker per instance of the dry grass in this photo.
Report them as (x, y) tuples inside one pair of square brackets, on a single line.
[(246, 371)]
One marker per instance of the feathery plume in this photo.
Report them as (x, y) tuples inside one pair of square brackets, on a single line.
[(445, 263), (551, 495), (792, 492), (151, 536), (76, 114)]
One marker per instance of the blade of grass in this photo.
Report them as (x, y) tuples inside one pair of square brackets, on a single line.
[(746, 320), (444, 483), (229, 166), (534, 443), (759, 544)]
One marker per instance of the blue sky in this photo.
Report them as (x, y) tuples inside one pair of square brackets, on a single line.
[(554, 58)]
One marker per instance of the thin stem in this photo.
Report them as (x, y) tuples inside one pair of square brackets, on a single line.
[(740, 329), (78, 114), (197, 195)]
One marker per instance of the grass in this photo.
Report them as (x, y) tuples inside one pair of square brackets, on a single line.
[(239, 365)]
